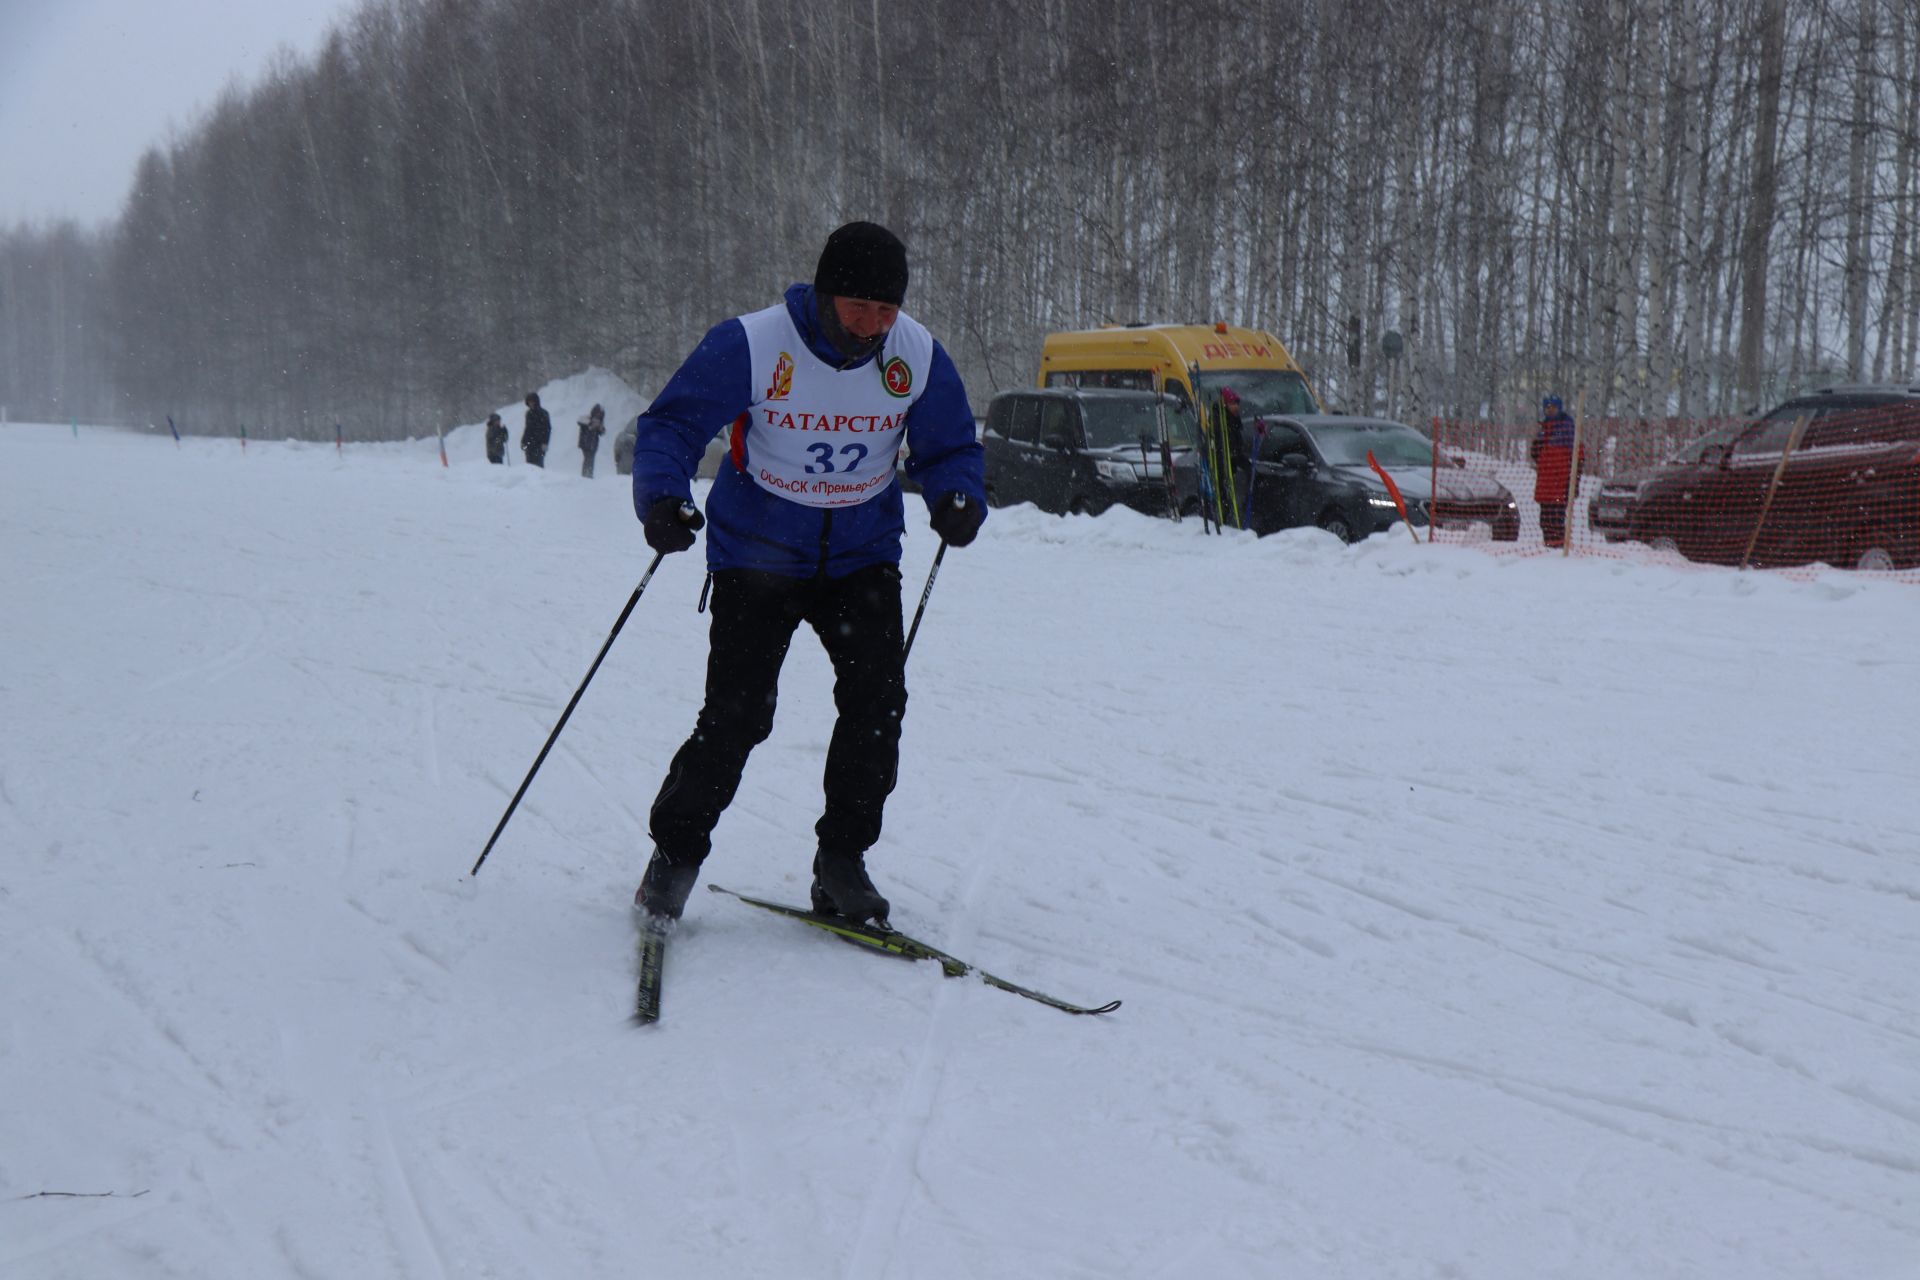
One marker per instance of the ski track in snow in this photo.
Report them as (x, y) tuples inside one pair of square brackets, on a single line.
[(897, 1180), (1474, 917)]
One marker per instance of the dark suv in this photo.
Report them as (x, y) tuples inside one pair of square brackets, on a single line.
[(1832, 477), (1313, 471), (1082, 450)]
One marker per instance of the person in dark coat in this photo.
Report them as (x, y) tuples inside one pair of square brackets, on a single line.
[(819, 391), (496, 439), (1553, 462), (592, 427), (537, 432)]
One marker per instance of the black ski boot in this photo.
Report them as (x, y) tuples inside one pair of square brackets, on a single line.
[(664, 889), (841, 888)]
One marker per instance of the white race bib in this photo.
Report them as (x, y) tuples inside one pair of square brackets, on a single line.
[(822, 436)]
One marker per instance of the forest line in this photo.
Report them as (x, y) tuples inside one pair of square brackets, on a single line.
[(1672, 208)]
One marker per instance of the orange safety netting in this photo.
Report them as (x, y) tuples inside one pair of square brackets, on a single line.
[(1837, 487)]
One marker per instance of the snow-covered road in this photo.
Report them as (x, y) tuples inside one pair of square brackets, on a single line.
[(1486, 918)]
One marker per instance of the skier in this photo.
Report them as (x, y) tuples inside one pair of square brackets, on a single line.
[(496, 439), (592, 427), (537, 431), (821, 389)]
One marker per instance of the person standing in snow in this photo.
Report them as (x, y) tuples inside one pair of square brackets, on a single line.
[(537, 432), (592, 427), (496, 439), (1552, 455), (820, 391)]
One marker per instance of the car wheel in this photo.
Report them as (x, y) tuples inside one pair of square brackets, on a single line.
[(1505, 531), (993, 497), (1336, 524), (1875, 560), (1665, 546)]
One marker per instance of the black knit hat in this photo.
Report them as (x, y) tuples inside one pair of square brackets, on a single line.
[(863, 260)]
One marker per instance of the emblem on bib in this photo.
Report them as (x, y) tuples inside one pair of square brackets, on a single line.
[(782, 385), (897, 377)]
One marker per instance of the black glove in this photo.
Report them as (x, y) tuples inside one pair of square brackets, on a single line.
[(670, 524), (956, 518)]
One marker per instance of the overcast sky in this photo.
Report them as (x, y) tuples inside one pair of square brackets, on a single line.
[(87, 85)]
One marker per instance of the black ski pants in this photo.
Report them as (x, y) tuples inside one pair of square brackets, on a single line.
[(755, 614), (1553, 523)]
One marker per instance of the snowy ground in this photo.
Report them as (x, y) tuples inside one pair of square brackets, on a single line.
[(1474, 917)]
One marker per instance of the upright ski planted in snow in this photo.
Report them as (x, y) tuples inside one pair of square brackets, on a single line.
[(893, 942)]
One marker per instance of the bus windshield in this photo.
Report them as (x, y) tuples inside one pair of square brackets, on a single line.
[(1261, 391)]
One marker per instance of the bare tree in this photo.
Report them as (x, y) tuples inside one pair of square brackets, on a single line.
[(1677, 206), (1763, 191)]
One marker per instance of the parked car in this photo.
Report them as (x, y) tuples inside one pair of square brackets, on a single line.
[(1846, 494), (1082, 450), (1312, 471), (1610, 511)]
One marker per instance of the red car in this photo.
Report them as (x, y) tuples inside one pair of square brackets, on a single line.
[(1827, 478), (1610, 511)]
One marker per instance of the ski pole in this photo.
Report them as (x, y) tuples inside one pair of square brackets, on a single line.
[(1209, 493), (959, 500), (932, 573), (1253, 463), (541, 758), (1146, 470), (1166, 451)]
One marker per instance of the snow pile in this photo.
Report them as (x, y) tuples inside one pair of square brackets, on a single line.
[(567, 400)]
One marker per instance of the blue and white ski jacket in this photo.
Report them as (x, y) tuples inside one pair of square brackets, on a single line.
[(750, 526)]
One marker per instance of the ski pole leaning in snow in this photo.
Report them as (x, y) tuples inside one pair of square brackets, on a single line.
[(959, 500), (1253, 463), (1166, 452), (541, 758)]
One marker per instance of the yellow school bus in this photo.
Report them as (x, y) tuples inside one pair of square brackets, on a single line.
[(1192, 361)]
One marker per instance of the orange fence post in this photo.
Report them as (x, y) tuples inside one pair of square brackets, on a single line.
[(1573, 473), (1393, 491), (1433, 487)]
